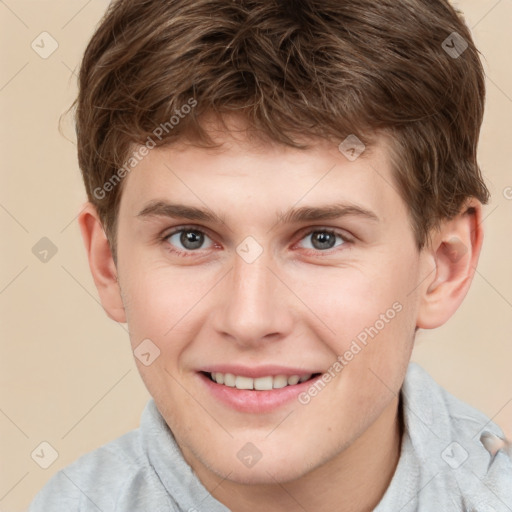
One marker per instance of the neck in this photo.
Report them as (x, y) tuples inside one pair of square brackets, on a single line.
[(352, 481)]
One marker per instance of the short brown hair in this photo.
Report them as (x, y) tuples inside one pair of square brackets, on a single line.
[(324, 68)]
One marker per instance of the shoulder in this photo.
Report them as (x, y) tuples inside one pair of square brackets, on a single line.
[(104, 479), (446, 435), (439, 406)]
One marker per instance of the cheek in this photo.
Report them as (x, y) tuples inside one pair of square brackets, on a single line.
[(348, 300), (368, 317), (163, 304)]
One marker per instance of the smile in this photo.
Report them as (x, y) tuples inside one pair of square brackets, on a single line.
[(256, 390)]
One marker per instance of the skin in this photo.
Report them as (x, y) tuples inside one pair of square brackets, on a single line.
[(295, 305)]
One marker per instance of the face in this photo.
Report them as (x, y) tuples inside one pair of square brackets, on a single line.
[(300, 272)]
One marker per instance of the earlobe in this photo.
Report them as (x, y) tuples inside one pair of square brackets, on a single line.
[(101, 263), (454, 249)]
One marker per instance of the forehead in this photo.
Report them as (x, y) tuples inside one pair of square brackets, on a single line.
[(261, 177)]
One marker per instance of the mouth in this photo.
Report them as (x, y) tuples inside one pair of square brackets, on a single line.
[(258, 394), (265, 383)]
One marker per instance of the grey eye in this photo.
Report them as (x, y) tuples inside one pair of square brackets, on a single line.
[(190, 239), (322, 239)]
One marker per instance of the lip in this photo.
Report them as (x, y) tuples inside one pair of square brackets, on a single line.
[(253, 401)]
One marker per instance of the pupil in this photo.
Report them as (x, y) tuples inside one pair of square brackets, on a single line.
[(191, 239), (325, 240)]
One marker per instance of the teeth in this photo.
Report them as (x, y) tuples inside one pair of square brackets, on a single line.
[(244, 383), (229, 379), (280, 382), (263, 383), (260, 383), (294, 379)]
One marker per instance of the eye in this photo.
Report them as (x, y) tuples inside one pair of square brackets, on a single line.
[(324, 239), (191, 239)]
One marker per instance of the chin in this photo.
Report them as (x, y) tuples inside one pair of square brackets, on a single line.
[(267, 470), (265, 474)]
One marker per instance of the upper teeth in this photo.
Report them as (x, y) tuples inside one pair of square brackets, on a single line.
[(261, 383)]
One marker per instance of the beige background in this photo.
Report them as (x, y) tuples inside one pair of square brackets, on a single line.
[(67, 376)]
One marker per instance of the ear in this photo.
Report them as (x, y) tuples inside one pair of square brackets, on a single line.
[(101, 263), (453, 252)]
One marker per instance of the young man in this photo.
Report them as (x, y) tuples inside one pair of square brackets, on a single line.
[(281, 193)]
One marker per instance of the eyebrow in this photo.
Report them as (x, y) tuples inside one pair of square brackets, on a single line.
[(179, 211), (326, 212), (292, 215)]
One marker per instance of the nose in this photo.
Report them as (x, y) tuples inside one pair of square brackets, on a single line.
[(253, 305)]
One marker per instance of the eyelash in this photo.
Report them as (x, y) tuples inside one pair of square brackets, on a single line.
[(346, 239)]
